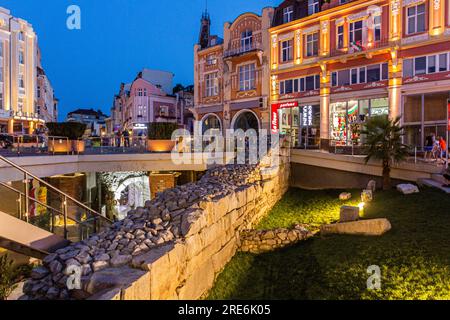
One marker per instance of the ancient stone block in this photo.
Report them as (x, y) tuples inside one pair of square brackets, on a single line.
[(349, 214), (345, 196), (374, 227)]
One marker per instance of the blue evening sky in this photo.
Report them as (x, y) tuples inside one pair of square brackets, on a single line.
[(117, 39)]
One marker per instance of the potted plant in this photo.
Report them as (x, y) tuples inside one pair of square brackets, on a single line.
[(159, 135), (65, 137)]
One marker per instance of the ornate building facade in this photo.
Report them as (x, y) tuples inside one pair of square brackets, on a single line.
[(335, 64), (232, 75), (150, 98)]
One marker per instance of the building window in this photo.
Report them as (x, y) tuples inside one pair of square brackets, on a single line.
[(309, 83), (1, 101), (247, 40), (420, 66), (212, 87), (21, 81), (164, 111), (38, 91), (313, 7), (443, 65), (211, 60), (356, 32), (286, 87), (20, 105), (344, 77), (1, 49), (377, 28), (21, 57), (425, 65), (21, 36), (312, 83), (416, 19), (408, 68), (140, 112), (312, 44), (247, 76), (354, 76), (140, 92), (288, 14), (287, 51), (372, 73), (340, 37), (145, 92), (431, 64)]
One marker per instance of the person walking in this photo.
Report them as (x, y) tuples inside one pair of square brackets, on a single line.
[(126, 136), (118, 139)]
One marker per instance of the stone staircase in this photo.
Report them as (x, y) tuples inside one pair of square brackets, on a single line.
[(436, 181)]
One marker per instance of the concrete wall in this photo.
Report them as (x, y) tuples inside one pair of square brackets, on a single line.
[(319, 178), (47, 166), (348, 171), (188, 268)]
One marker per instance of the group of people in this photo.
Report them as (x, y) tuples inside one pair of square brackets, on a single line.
[(125, 139), (435, 148)]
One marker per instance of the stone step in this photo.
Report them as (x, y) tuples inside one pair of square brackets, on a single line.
[(434, 184)]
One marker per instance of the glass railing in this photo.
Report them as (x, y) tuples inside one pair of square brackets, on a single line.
[(39, 203)]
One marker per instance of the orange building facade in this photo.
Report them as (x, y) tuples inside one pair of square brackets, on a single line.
[(334, 65), (232, 75)]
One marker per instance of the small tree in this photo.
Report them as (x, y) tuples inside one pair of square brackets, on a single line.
[(384, 142)]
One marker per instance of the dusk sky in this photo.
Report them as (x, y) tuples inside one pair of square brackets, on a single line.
[(117, 39)]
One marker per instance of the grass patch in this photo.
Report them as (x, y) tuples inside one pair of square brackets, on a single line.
[(414, 256), (310, 207)]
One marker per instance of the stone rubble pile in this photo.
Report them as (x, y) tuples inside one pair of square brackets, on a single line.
[(163, 220), (259, 241)]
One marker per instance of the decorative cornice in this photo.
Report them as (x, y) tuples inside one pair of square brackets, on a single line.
[(374, 85), (407, 3), (342, 89), (311, 93), (415, 79)]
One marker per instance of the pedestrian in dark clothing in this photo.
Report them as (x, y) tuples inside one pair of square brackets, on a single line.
[(126, 137)]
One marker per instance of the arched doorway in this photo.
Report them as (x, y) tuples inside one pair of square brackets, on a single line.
[(245, 120), (211, 122)]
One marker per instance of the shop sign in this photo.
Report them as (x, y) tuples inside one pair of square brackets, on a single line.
[(275, 120), (307, 115), (139, 126)]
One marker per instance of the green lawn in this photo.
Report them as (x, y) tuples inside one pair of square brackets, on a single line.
[(414, 256)]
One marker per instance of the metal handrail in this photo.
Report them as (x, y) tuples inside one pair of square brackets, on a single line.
[(64, 199)]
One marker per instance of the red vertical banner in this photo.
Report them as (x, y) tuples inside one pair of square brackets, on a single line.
[(275, 121)]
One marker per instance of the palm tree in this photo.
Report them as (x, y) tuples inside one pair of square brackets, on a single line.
[(384, 142)]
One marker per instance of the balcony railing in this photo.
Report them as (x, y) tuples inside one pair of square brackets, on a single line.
[(358, 47), (255, 46)]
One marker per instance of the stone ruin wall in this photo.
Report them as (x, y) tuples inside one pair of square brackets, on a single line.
[(175, 247)]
